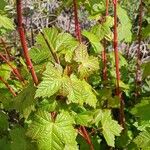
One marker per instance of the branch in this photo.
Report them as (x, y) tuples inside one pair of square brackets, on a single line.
[(23, 42), (8, 87), (78, 36), (15, 70), (77, 24), (118, 92)]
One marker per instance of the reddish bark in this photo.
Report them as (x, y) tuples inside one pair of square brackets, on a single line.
[(118, 92), (77, 24), (8, 87), (24, 43), (87, 137), (79, 37)]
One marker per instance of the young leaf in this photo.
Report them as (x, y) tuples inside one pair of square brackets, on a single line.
[(94, 40), (143, 140), (81, 92), (88, 64), (124, 28), (6, 23), (110, 127), (51, 82)]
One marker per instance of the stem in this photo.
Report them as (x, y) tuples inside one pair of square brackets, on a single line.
[(78, 36), (15, 70), (118, 92), (77, 24), (138, 70), (23, 42), (8, 87), (83, 132), (51, 49), (107, 7)]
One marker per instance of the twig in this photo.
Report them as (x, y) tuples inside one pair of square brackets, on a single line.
[(8, 87), (51, 49), (15, 70)]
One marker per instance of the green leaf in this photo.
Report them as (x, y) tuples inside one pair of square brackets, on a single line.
[(5, 143), (51, 35), (65, 45), (146, 32), (2, 5), (95, 8), (142, 110), (6, 23), (51, 83), (143, 140), (87, 64), (146, 71), (5, 71), (103, 30), (52, 135), (39, 55), (3, 121), (84, 118), (41, 52), (5, 98), (24, 102), (20, 140), (125, 26), (110, 127), (94, 40), (81, 92), (48, 105)]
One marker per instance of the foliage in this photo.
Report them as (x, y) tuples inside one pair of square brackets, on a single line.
[(73, 105)]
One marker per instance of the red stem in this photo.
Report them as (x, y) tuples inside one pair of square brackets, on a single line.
[(79, 37), (15, 70), (118, 92), (138, 70), (77, 24), (107, 7), (8, 87), (23, 42), (86, 136)]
